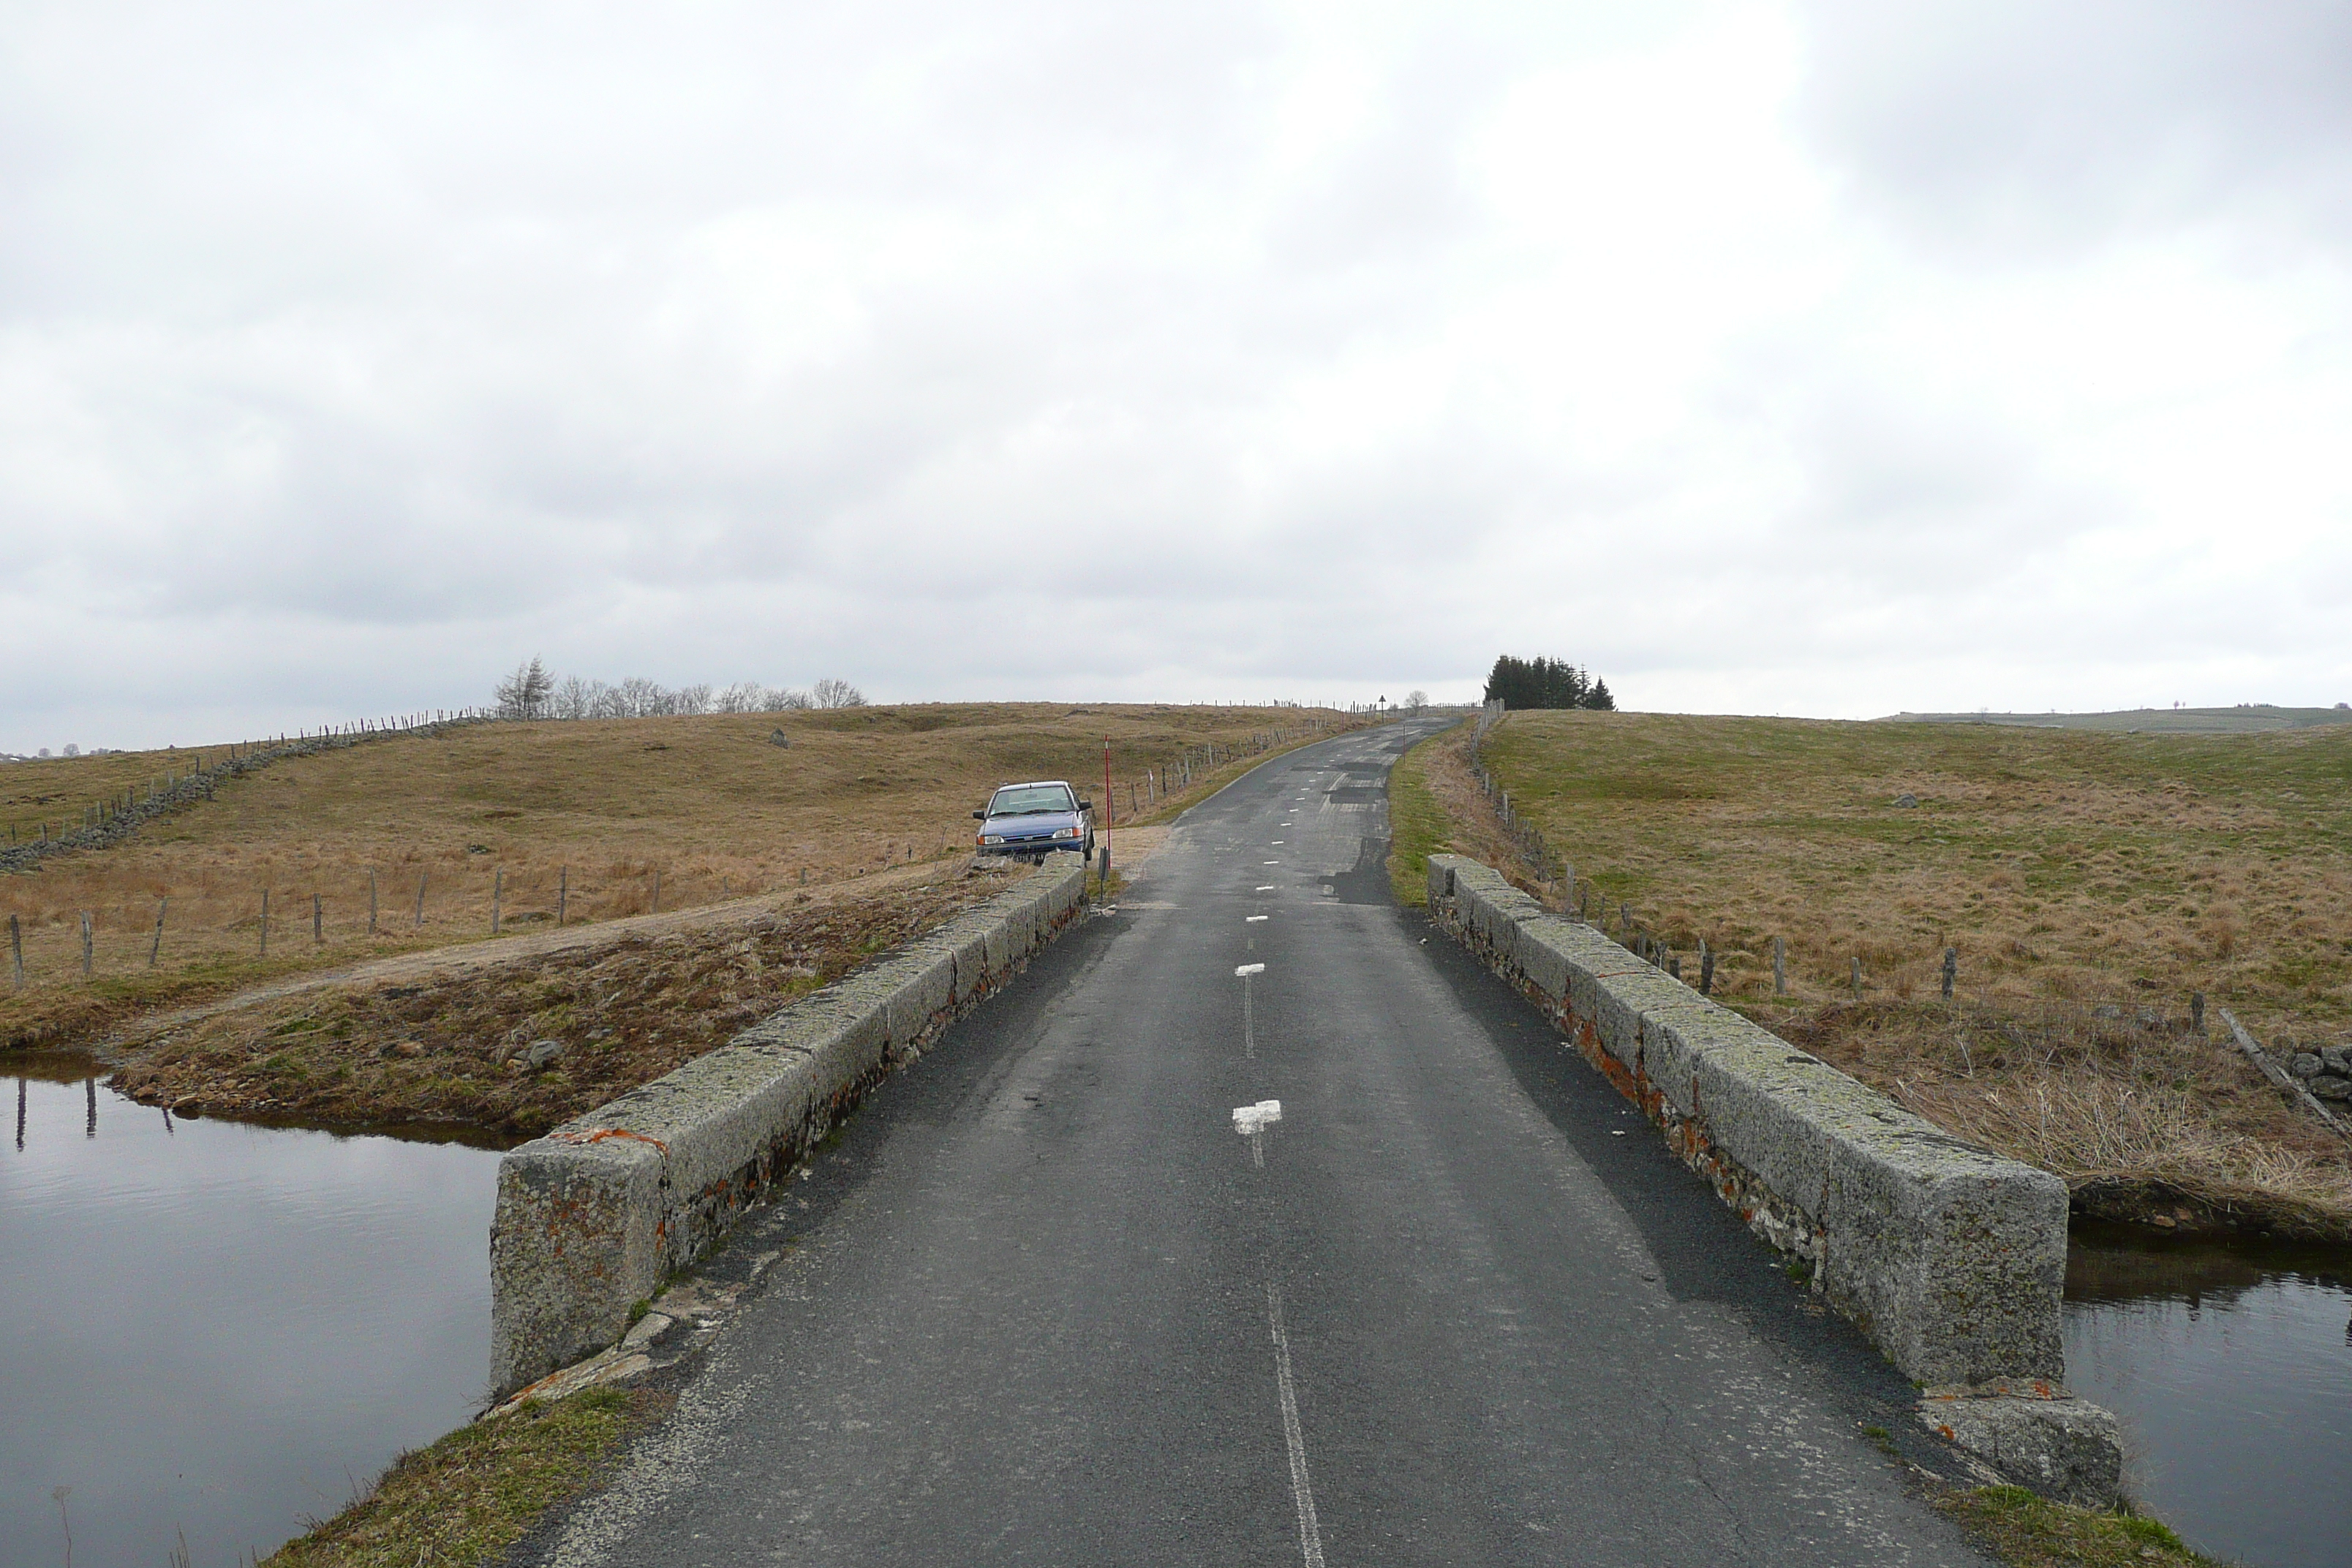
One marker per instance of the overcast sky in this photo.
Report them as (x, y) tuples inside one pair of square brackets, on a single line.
[(1827, 358)]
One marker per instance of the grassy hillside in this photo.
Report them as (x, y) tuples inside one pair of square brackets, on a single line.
[(2090, 882), (592, 813)]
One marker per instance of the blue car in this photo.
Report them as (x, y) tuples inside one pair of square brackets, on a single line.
[(1033, 820)]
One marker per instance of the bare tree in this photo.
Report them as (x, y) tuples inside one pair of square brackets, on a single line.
[(524, 694), (743, 697), (573, 698), (1416, 699), (532, 692), (835, 692), (637, 697)]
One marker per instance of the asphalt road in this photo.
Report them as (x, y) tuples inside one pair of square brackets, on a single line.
[(1043, 1303)]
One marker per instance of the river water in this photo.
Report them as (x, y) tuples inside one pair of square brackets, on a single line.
[(2231, 1367), (212, 1331)]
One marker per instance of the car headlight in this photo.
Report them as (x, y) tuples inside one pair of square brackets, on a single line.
[(1065, 833), (992, 838)]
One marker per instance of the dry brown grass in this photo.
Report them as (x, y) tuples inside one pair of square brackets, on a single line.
[(708, 804), (451, 1048), (2091, 882)]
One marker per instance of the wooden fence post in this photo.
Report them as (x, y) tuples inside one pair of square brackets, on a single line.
[(657, 904), (85, 942), (420, 877), (17, 947), (563, 888), (1951, 970), (1705, 967), (155, 948), (317, 921), (1780, 966)]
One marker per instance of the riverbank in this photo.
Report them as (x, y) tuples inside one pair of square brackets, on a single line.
[(463, 1500), (513, 1044), (2089, 886)]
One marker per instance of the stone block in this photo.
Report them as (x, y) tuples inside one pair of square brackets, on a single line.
[(999, 954), (967, 938), (573, 1246), (1545, 948), (2060, 1447), (922, 995)]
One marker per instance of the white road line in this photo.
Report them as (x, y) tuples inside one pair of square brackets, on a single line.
[(1310, 1534), (1253, 920), (1268, 888)]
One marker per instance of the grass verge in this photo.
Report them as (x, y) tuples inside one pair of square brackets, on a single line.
[(1417, 825), (2027, 1532), (465, 1498)]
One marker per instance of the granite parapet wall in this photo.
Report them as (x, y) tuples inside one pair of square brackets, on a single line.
[(592, 1217), (1948, 1256)]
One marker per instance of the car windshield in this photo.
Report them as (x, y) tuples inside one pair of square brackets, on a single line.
[(1028, 800)]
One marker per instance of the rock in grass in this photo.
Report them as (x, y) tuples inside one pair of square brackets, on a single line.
[(543, 1054)]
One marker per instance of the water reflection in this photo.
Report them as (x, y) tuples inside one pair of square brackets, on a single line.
[(219, 1330), (2231, 1366)]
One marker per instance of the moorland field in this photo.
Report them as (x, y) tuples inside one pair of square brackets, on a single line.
[(598, 816), (2091, 884)]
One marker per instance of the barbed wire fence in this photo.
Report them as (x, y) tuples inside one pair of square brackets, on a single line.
[(107, 822)]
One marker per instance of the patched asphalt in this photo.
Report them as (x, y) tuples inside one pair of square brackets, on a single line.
[(1027, 1302)]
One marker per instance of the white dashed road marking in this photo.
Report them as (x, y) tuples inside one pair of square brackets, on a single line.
[(1310, 1534), (1252, 1120)]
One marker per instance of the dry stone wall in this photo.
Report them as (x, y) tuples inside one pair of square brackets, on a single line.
[(1948, 1256)]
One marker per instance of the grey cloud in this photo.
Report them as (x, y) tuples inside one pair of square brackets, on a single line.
[(1091, 349), (1999, 127)]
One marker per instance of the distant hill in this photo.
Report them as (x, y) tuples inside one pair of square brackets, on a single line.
[(2249, 719)]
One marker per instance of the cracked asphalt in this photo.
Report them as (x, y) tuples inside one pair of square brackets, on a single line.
[(1041, 1302)]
